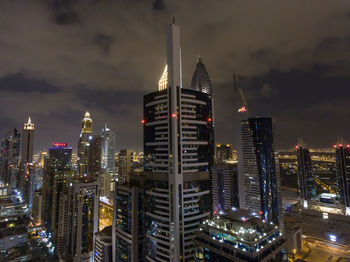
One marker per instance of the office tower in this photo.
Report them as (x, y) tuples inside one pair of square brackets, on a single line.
[(343, 175), (61, 211), (10, 152), (125, 159), (94, 163), (27, 142), (241, 113), (103, 245), (128, 224), (178, 154), (223, 153), (108, 145), (84, 220), (84, 145), (262, 180), (237, 236), (200, 79), (37, 207), (26, 179), (306, 178), (225, 187), (58, 161)]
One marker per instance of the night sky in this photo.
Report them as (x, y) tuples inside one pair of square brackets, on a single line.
[(61, 58)]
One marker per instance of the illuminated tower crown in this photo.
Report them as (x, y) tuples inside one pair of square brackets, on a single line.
[(86, 124), (29, 125)]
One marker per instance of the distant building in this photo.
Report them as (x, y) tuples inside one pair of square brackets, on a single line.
[(343, 175), (10, 152), (200, 79), (108, 150), (125, 160), (306, 179), (103, 245), (27, 142), (84, 145), (94, 163), (225, 187), (237, 235), (223, 153), (128, 224), (261, 174)]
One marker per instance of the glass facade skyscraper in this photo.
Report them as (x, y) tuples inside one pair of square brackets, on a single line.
[(306, 179), (261, 173)]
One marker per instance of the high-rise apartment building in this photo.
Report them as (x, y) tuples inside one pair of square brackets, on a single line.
[(261, 174), (306, 179), (125, 159), (84, 145), (108, 146), (58, 161), (103, 245), (128, 224), (37, 207), (94, 163), (10, 152), (225, 187), (178, 154), (223, 153), (84, 220), (343, 175)]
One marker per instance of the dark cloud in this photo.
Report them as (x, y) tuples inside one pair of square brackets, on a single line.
[(62, 57)]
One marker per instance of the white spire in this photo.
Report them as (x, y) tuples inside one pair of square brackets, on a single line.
[(87, 114), (29, 125)]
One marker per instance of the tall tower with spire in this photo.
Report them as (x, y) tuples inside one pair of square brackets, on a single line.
[(84, 145), (200, 79), (179, 150), (27, 142)]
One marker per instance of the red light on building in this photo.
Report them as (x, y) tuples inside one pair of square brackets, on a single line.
[(209, 119), (173, 115), (348, 146), (260, 213), (335, 146), (340, 144), (297, 147), (60, 144), (143, 121)]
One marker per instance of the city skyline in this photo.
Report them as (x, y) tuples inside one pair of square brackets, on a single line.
[(289, 70)]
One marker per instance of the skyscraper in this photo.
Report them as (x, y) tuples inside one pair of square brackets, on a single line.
[(179, 150), (58, 161), (343, 175), (27, 142), (84, 145), (26, 176), (124, 165), (200, 79), (225, 187), (306, 179), (94, 163), (84, 220), (261, 174), (108, 145), (10, 152)]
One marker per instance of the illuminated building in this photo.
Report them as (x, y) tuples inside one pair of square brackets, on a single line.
[(85, 220), (223, 153), (163, 81), (58, 161), (241, 113), (43, 155), (200, 79), (26, 179), (178, 154), (10, 152), (306, 179), (225, 187), (128, 224), (237, 235), (343, 175), (105, 213), (84, 145), (107, 157), (125, 159), (37, 207), (103, 245), (262, 180)]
